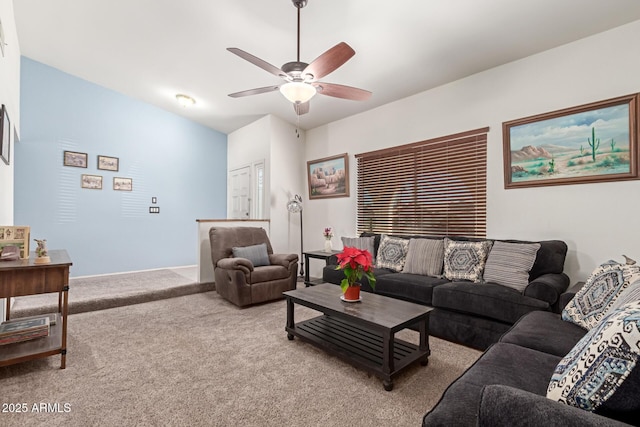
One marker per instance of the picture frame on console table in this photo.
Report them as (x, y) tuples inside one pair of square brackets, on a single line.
[(595, 142), (16, 235), (328, 177)]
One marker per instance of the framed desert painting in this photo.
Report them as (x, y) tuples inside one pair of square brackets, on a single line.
[(589, 143), (328, 177)]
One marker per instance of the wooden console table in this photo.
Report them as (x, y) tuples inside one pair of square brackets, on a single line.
[(25, 277)]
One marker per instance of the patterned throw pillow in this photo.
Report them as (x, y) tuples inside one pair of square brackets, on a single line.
[(509, 264), (465, 260), (425, 257), (257, 254), (590, 376), (392, 253), (599, 294), (359, 242)]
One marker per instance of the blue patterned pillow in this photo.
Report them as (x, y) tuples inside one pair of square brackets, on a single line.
[(599, 374), (392, 253), (599, 294), (465, 260)]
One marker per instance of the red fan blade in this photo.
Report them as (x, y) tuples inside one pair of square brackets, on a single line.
[(254, 91), (329, 61), (259, 62), (301, 108), (340, 91)]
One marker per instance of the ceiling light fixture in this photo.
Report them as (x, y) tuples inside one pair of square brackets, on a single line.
[(185, 100), (298, 92)]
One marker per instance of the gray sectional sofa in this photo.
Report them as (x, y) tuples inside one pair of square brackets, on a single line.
[(473, 314), (507, 385)]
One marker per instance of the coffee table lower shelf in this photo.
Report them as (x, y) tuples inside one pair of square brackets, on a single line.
[(363, 348)]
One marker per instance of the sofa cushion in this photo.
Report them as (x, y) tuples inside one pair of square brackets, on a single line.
[(598, 296), (549, 259), (505, 364), (267, 273), (425, 257), (392, 253), (465, 260), (411, 287), (257, 254), (600, 373), (364, 243), (508, 264), (544, 331), (486, 299)]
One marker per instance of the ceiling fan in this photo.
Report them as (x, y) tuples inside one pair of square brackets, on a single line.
[(302, 78)]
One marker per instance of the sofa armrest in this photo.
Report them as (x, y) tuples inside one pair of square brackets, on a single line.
[(241, 264), (284, 260), (547, 287), (502, 405), (569, 294)]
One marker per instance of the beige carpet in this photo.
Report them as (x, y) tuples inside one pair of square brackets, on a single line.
[(197, 360), (115, 290)]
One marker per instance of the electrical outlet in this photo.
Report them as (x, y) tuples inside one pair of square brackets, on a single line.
[(154, 209)]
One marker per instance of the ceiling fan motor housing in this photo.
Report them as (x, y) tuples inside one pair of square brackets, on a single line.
[(295, 69)]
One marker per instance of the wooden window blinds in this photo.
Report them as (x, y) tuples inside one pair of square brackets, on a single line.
[(436, 187)]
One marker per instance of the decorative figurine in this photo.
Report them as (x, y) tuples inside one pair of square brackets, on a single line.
[(41, 252)]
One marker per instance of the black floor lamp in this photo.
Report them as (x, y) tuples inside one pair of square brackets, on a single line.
[(295, 206)]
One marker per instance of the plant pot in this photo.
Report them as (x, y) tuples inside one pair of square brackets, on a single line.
[(352, 293)]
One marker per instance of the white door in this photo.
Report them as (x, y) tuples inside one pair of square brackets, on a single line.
[(240, 192)]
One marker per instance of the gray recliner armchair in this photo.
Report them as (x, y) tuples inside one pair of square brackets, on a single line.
[(237, 279)]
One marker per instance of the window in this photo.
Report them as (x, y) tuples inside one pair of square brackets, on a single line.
[(435, 187)]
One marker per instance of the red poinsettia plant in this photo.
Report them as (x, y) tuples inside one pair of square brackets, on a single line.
[(355, 263)]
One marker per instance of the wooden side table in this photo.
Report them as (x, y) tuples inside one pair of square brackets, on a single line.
[(24, 277), (310, 281)]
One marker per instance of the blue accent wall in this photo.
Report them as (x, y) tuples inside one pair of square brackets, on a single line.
[(180, 162)]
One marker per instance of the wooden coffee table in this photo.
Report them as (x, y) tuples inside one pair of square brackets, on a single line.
[(361, 333)]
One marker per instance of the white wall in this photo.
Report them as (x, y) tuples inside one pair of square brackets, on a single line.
[(10, 97), (275, 141), (598, 221), (287, 179)]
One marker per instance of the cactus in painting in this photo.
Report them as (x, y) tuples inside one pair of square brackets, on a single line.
[(552, 165), (593, 143), (581, 151), (613, 145)]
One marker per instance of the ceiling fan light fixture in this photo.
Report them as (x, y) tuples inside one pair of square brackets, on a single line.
[(185, 100), (298, 92)]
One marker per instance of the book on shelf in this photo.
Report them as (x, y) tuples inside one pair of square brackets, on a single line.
[(24, 325), (19, 330), (52, 318), (24, 336)]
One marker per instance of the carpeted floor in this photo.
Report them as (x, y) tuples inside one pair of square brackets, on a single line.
[(198, 360), (115, 290)]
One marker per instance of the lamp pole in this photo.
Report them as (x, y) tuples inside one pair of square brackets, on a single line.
[(295, 205)]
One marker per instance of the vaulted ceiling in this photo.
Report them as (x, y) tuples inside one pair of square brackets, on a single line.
[(153, 49)]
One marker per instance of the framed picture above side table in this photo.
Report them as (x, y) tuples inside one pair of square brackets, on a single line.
[(328, 177), (75, 159)]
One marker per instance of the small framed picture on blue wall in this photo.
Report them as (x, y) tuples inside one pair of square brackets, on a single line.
[(108, 163), (77, 160)]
